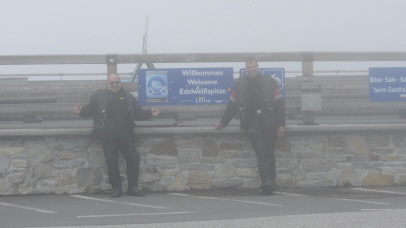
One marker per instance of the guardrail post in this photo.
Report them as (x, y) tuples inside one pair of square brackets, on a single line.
[(111, 61), (307, 71), (307, 66)]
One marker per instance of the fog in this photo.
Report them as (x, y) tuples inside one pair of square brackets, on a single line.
[(62, 27)]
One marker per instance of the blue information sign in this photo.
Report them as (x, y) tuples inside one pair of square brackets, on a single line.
[(277, 73), (387, 84), (184, 86)]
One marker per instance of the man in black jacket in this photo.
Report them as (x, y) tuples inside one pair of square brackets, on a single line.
[(257, 101), (114, 111)]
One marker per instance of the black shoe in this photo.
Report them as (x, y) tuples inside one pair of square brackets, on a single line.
[(116, 192), (135, 192), (266, 190), (268, 187)]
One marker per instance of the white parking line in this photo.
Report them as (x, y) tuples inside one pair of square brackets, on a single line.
[(361, 201), (289, 194), (112, 201), (377, 209), (135, 214), (28, 208), (371, 190), (224, 199)]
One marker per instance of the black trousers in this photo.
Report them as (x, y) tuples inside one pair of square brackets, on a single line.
[(123, 141), (262, 138)]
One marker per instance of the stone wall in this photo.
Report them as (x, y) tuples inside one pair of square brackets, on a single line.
[(176, 162)]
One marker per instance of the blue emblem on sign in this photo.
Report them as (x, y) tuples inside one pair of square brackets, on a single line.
[(156, 87)]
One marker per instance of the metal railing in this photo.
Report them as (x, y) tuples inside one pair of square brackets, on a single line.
[(306, 75), (297, 72)]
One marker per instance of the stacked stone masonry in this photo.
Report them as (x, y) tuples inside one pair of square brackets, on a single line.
[(75, 164)]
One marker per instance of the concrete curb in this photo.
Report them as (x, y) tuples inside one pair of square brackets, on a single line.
[(207, 129)]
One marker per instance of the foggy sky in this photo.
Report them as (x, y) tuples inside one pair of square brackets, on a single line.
[(188, 26)]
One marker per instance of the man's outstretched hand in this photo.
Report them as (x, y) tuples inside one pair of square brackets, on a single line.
[(155, 111), (77, 109), (218, 126)]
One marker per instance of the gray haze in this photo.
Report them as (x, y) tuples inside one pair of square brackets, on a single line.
[(186, 26)]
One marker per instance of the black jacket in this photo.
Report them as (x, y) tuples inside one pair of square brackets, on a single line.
[(271, 102), (98, 108)]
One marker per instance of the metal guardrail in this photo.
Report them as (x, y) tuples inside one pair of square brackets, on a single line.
[(339, 97), (306, 58), (201, 57), (26, 76)]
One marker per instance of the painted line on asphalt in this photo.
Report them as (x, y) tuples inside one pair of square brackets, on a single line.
[(289, 194), (136, 214), (378, 209), (118, 202), (28, 208), (381, 191), (232, 200), (361, 201)]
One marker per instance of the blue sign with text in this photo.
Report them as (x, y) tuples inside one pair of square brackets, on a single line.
[(387, 84), (184, 86), (277, 73)]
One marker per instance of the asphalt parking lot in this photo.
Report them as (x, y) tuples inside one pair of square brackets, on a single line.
[(288, 207)]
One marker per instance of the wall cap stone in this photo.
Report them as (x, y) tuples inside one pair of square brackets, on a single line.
[(207, 129)]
